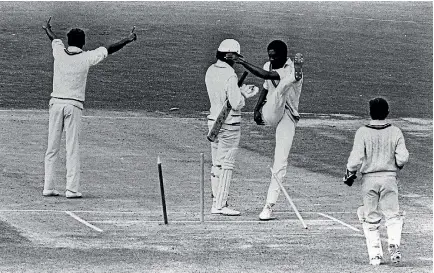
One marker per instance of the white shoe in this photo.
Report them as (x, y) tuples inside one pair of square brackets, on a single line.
[(376, 260), (266, 213), (47, 193), (225, 211), (395, 254), (70, 194)]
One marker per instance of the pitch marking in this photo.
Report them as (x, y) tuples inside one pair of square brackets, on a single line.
[(83, 221), (339, 221), (141, 212), (206, 221)]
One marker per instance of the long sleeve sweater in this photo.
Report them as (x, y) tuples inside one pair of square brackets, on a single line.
[(378, 147), (222, 84), (71, 66)]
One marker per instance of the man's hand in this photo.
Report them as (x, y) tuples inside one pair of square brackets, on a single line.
[(48, 25), (116, 46), (48, 30), (249, 91), (132, 36), (235, 58), (349, 177), (257, 117)]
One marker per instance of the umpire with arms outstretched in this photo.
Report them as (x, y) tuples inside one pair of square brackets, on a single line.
[(71, 66)]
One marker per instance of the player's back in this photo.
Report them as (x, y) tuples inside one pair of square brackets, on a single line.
[(71, 67), (382, 146)]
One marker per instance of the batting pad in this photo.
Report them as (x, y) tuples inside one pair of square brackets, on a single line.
[(214, 184), (373, 240), (225, 178), (394, 230), (361, 214)]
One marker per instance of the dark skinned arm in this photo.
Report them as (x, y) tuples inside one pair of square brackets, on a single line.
[(257, 116), (118, 45), (259, 72), (255, 70), (261, 99), (48, 30)]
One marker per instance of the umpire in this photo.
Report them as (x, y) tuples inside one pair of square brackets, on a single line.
[(71, 66)]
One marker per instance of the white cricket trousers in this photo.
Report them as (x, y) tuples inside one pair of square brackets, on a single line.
[(285, 132), (274, 113), (63, 117), (223, 152), (380, 197)]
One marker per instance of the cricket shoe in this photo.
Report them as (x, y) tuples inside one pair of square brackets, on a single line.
[(395, 254), (48, 193), (376, 260), (298, 66), (225, 211), (70, 194), (267, 213)]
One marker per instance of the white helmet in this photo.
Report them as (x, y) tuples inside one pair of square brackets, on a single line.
[(230, 45)]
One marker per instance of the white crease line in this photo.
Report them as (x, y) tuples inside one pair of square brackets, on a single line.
[(127, 117), (30, 210), (198, 221), (339, 221), (146, 212), (83, 221)]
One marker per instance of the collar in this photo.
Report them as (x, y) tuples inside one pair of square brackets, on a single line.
[(74, 49), (377, 122), (222, 64), (288, 62)]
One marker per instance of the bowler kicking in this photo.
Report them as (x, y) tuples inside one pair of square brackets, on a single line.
[(379, 152), (71, 66), (278, 106)]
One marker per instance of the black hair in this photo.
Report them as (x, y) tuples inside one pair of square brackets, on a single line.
[(378, 108), (76, 37), (221, 56), (279, 47)]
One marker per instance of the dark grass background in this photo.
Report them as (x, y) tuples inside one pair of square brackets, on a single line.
[(353, 51)]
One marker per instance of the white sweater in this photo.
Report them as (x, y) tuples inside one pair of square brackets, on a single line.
[(222, 84), (71, 66), (378, 147)]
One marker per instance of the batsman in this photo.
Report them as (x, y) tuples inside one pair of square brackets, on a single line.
[(223, 87), (379, 153)]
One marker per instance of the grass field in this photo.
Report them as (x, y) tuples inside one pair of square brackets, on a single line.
[(353, 51)]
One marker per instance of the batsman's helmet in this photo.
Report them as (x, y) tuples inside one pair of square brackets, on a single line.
[(230, 45)]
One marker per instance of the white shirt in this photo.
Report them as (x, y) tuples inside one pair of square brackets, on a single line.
[(290, 88), (71, 67), (222, 84), (378, 147)]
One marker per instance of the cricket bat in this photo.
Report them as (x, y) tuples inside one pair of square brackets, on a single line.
[(212, 135)]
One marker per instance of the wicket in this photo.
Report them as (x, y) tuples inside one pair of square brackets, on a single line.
[(289, 199), (202, 187), (163, 197)]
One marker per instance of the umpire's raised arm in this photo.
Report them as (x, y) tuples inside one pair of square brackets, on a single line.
[(50, 33), (116, 46)]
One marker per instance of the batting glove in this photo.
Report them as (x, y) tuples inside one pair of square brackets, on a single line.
[(349, 177), (249, 91)]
